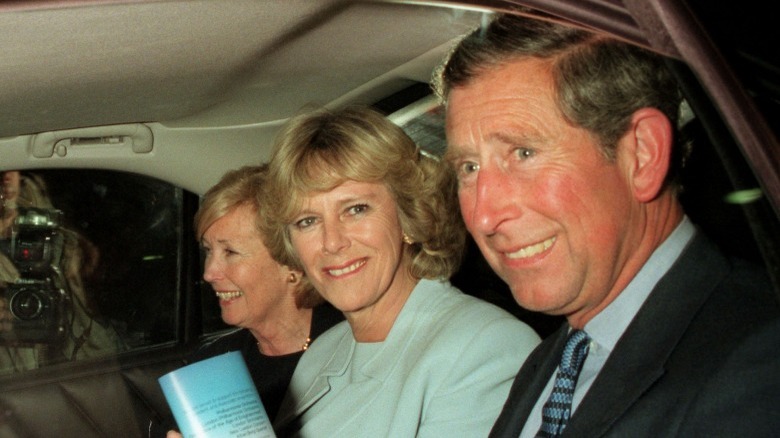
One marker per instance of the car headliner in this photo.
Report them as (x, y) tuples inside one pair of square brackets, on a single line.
[(225, 74)]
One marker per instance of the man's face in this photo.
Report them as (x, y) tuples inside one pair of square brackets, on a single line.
[(550, 214)]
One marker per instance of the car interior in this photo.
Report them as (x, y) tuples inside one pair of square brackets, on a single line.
[(116, 115)]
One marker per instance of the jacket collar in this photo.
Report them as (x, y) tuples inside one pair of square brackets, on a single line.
[(336, 365)]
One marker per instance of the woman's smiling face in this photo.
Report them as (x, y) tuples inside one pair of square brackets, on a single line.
[(250, 285), (350, 242)]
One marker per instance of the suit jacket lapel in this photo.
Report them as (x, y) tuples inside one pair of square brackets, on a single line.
[(336, 366), (529, 384), (640, 355), (401, 339)]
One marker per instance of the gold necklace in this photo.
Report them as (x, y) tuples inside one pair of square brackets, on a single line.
[(304, 347)]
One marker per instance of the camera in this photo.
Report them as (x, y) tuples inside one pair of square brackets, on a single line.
[(38, 299), (36, 243), (38, 312)]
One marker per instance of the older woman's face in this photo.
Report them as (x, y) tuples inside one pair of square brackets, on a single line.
[(350, 243), (249, 284)]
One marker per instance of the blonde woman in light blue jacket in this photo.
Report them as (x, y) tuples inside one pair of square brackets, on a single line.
[(375, 225)]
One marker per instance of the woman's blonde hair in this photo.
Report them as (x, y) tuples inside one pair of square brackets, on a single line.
[(237, 188), (319, 150)]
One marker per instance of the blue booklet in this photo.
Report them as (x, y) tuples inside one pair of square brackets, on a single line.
[(216, 398)]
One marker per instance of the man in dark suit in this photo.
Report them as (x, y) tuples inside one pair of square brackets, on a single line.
[(566, 149)]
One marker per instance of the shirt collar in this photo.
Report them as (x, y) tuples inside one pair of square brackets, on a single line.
[(608, 326)]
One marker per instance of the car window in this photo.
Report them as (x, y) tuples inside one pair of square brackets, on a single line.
[(88, 266)]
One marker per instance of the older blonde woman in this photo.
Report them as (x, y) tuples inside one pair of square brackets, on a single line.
[(278, 319), (375, 226)]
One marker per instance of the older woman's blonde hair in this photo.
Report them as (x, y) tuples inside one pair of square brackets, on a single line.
[(319, 150), (237, 188)]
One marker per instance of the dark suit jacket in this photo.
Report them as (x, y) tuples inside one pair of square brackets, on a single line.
[(699, 359)]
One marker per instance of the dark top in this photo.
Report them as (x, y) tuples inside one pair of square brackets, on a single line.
[(271, 374)]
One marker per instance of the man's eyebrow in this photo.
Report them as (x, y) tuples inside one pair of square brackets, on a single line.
[(512, 139), (452, 153)]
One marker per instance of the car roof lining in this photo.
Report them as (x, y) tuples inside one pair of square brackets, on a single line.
[(215, 62)]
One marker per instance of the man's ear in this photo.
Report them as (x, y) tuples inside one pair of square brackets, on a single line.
[(648, 148)]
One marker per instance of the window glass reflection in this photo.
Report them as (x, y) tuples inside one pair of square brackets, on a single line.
[(82, 255)]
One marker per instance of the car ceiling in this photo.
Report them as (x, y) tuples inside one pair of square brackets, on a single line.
[(203, 63)]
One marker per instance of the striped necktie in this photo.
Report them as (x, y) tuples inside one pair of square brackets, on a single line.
[(557, 410)]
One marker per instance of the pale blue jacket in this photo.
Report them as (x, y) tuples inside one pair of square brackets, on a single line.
[(444, 370)]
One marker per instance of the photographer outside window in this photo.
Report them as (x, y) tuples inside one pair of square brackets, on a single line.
[(46, 314)]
